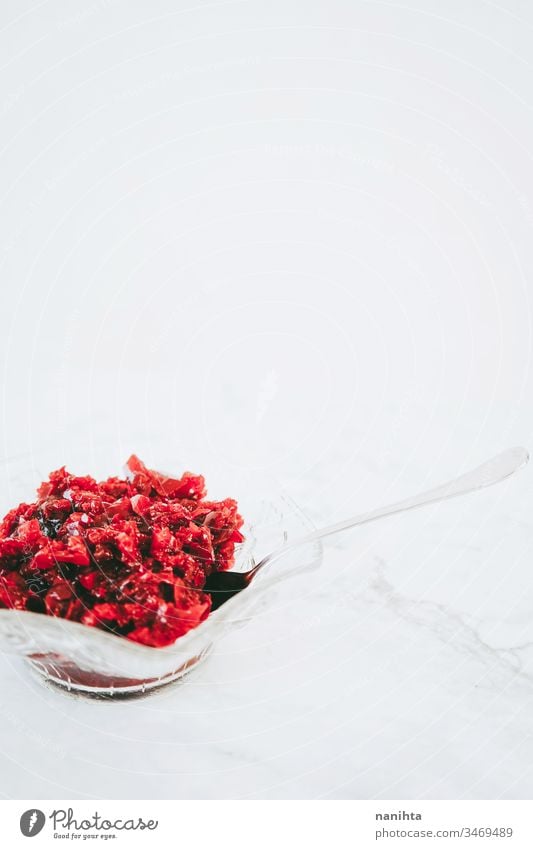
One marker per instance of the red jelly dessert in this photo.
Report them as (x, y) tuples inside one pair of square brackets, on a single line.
[(130, 556)]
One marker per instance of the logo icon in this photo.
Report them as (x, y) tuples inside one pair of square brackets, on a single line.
[(32, 822)]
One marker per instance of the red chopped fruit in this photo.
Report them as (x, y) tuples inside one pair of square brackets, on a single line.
[(130, 556)]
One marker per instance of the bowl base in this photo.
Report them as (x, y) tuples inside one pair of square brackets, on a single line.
[(78, 682)]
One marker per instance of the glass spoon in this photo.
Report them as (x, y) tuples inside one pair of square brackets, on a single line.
[(223, 585)]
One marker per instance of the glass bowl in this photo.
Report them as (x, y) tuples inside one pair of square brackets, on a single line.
[(86, 660)]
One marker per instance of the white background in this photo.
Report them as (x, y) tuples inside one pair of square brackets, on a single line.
[(291, 237)]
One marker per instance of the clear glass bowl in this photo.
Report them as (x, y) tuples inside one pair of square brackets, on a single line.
[(89, 661)]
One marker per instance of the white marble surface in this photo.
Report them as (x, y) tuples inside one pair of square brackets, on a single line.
[(403, 670), (259, 238)]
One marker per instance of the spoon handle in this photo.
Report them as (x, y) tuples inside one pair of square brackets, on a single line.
[(490, 472)]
